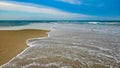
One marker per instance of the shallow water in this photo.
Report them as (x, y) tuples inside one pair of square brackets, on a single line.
[(72, 46)]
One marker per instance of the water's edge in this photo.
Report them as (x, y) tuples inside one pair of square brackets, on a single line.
[(24, 49)]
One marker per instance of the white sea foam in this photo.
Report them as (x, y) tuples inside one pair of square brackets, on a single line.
[(44, 26), (93, 22)]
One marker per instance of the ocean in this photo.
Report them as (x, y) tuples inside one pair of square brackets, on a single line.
[(70, 44)]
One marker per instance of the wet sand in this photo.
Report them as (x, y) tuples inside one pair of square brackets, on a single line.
[(12, 42)]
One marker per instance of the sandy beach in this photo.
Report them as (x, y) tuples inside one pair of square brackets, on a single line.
[(12, 42)]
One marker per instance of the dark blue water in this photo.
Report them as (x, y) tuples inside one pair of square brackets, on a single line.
[(27, 22)]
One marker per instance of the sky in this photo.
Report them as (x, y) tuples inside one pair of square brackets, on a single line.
[(59, 10)]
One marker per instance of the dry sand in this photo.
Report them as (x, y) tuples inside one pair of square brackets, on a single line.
[(12, 42)]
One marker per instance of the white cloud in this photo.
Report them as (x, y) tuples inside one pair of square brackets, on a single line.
[(27, 7), (71, 1)]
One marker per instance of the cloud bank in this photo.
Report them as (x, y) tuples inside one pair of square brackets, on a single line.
[(48, 11), (77, 2), (27, 8)]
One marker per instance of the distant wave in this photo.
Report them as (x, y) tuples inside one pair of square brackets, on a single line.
[(93, 22), (105, 23)]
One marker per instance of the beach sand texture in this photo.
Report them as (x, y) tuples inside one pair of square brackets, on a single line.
[(12, 42)]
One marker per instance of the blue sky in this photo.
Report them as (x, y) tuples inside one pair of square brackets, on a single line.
[(59, 9)]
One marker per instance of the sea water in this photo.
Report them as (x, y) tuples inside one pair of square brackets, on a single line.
[(72, 45)]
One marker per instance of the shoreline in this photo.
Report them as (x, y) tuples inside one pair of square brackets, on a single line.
[(13, 42)]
